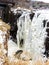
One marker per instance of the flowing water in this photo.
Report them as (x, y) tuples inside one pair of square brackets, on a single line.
[(31, 34)]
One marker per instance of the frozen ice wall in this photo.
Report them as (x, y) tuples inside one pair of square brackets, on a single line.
[(31, 34)]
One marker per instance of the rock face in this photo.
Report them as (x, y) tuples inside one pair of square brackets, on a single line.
[(26, 4), (4, 36), (31, 4)]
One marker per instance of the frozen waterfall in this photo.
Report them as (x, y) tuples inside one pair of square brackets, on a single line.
[(31, 34)]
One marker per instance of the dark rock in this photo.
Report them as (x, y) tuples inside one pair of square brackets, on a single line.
[(46, 47), (47, 24), (44, 23), (32, 15)]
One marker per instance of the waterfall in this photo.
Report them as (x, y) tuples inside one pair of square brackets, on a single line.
[(38, 35), (31, 34), (24, 24)]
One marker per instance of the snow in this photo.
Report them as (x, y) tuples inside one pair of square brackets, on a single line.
[(46, 1), (2, 36), (12, 48)]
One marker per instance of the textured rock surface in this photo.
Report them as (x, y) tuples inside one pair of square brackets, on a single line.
[(27, 3)]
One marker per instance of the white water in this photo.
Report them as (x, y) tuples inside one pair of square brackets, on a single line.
[(33, 33)]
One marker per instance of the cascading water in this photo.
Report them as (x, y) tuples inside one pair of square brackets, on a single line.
[(24, 24), (31, 34)]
